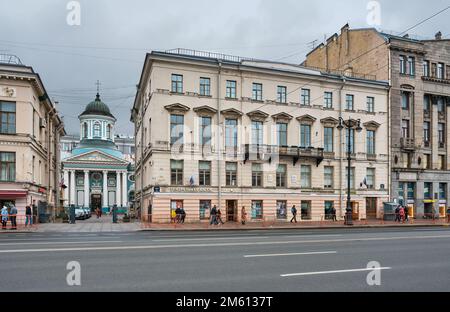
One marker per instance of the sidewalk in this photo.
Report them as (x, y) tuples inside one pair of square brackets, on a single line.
[(286, 225)]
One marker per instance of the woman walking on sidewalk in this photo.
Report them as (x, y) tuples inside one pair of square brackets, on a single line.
[(243, 215), (4, 217)]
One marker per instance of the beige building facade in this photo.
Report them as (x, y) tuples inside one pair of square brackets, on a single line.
[(418, 72), (29, 141), (220, 130)]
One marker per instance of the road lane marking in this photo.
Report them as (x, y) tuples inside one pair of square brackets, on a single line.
[(202, 236), (49, 239), (60, 243), (335, 272), (149, 247), (293, 254), (324, 235), (209, 239)]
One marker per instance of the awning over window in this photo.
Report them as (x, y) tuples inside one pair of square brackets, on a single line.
[(12, 194)]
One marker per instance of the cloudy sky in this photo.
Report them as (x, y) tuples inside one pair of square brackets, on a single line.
[(110, 43)]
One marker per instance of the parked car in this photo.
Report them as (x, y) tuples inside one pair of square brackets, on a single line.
[(87, 212), (80, 214)]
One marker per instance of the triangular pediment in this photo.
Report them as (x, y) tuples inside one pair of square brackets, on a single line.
[(330, 121), (258, 115), (307, 119), (282, 116), (177, 108), (232, 112), (372, 125), (95, 157), (205, 110)]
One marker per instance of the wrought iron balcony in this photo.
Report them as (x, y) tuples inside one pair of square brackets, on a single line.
[(268, 152)]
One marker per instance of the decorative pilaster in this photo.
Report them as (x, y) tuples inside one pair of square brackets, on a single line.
[(124, 189), (86, 188), (72, 187), (66, 190), (118, 189), (105, 189)]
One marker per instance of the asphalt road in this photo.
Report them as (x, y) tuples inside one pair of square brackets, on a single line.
[(412, 259)]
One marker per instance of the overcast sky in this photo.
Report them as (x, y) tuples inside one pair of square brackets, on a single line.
[(111, 42)]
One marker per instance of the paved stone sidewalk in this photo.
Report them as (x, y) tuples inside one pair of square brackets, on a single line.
[(104, 224)]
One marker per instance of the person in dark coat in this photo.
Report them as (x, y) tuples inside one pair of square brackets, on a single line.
[(333, 214), (294, 214), (182, 215), (213, 216), (178, 215), (406, 213), (28, 215), (397, 214), (219, 217)]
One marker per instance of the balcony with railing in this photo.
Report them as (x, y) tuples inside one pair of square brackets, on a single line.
[(408, 144), (436, 79), (269, 152)]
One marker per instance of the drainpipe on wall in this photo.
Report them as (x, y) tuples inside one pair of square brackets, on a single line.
[(389, 151), (341, 149), (219, 128), (142, 153)]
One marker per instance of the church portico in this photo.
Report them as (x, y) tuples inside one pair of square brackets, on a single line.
[(96, 174)]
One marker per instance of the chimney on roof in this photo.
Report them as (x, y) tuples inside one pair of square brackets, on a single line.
[(438, 36)]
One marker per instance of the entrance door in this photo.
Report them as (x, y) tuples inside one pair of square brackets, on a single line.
[(96, 201), (231, 210), (371, 208)]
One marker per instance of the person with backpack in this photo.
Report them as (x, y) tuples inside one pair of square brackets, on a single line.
[(213, 216), (294, 214), (397, 214)]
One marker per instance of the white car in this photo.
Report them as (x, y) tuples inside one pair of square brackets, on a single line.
[(80, 214)]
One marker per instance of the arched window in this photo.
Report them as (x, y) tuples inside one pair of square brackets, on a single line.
[(97, 130), (108, 132), (85, 130)]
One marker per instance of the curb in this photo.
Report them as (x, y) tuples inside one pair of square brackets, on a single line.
[(294, 228)]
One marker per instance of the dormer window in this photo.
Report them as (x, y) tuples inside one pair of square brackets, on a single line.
[(97, 130)]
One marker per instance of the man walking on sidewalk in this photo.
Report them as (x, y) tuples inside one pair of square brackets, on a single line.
[(213, 216), (13, 213), (29, 216), (294, 214)]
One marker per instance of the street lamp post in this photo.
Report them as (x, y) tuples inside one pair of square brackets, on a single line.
[(349, 125)]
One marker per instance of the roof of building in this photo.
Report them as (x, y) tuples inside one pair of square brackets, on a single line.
[(97, 107)]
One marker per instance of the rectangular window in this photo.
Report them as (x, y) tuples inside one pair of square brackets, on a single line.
[(370, 104), (352, 177), (328, 140), (281, 94), (177, 83), (257, 175), (328, 177), (443, 191), (231, 135), (426, 104), (371, 142), (205, 131), (176, 129), (328, 205), (411, 66), (305, 175), (441, 162), (257, 132), (282, 134), (433, 70), (305, 136), (411, 190), (426, 68), (257, 92), (205, 208), (281, 176), (405, 129), (7, 117), (328, 100), (176, 170), (231, 173), (350, 140), (440, 71), (349, 102), (401, 190), (370, 178), (427, 162), (204, 173), (441, 135), (305, 97), (426, 133), (402, 64), (441, 105), (306, 210), (231, 89), (205, 86), (8, 167), (405, 100), (257, 210), (281, 209), (428, 190)]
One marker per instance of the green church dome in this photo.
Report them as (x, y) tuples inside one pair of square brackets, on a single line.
[(97, 107)]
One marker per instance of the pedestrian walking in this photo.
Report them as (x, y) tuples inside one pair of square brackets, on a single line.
[(402, 214), (178, 215), (97, 212), (28, 216), (13, 217), (448, 215), (173, 216), (333, 214), (406, 213), (4, 214), (294, 214), (182, 215), (243, 215), (397, 214), (213, 217), (219, 217)]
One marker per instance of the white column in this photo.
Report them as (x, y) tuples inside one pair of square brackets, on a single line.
[(124, 189), (66, 190), (72, 187), (105, 189), (86, 188), (118, 182)]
